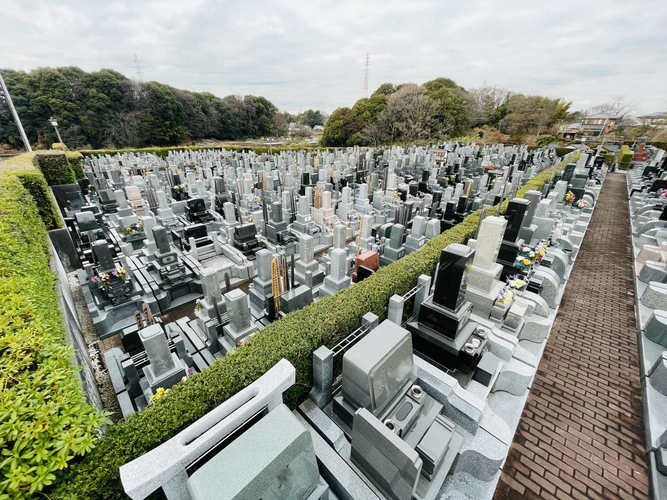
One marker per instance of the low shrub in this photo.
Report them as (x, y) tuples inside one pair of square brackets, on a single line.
[(624, 157), (609, 159), (45, 421), (295, 338), (563, 151)]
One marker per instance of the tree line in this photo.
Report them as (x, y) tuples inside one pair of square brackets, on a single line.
[(441, 108), (105, 109)]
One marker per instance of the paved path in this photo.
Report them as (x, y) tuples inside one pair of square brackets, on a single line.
[(581, 434)]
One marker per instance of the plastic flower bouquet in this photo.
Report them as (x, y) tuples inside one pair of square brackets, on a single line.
[(134, 229), (122, 274), (525, 258), (540, 251), (516, 282), (505, 296)]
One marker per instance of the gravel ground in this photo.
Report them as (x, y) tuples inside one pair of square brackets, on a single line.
[(107, 393)]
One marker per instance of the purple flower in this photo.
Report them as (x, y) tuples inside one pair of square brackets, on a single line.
[(115, 273), (95, 279)]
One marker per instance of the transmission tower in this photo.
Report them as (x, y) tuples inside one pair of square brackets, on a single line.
[(365, 87), (140, 77)]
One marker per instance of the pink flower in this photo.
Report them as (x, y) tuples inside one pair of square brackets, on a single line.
[(95, 279)]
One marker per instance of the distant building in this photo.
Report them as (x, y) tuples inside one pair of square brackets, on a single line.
[(318, 128), (598, 124), (658, 119), (570, 130)]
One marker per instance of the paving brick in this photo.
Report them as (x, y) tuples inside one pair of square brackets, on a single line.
[(581, 430)]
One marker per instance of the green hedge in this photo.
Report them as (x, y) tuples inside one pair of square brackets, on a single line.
[(23, 167), (624, 157), (295, 338), (56, 168), (74, 159), (609, 159), (45, 421)]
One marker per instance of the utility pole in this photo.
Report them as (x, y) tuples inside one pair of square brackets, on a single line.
[(14, 114), (54, 123), (365, 87)]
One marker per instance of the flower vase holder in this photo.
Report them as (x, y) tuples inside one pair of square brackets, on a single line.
[(119, 291), (499, 310), (135, 236), (179, 195)]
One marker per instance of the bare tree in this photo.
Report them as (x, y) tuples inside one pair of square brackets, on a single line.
[(617, 107), (483, 101), (302, 130), (416, 113), (281, 124), (374, 133)]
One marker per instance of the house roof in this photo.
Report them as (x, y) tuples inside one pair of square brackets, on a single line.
[(611, 148), (597, 116), (659, 114)]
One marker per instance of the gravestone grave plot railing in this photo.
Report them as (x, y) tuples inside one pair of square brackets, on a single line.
[(167, 466), (398, 305), (650, 274), (325, 361)]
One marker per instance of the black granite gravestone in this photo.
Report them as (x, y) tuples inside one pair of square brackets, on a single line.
[(449, 210), (453, 262), (516, 209), (569, 172), (462, 204), (103, 256), (443, 334), (161, 239)]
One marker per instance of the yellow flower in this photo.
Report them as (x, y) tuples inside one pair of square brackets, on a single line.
[(526, 262), (542, 254)]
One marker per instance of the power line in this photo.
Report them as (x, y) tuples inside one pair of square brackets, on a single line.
[(365, 87)]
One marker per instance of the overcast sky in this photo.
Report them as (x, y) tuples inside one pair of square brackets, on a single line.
[(310, 54)]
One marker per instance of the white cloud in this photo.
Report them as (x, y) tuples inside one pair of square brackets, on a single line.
[(310, 54)]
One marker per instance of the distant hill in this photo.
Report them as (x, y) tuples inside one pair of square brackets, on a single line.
[(105, 109)]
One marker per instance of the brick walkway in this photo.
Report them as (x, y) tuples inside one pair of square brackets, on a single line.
[(581, 434)]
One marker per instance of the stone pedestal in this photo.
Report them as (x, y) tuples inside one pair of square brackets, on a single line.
[(414, 243), (307, 263), (337, 279), (483, 278), (261, 286), (167, 379)]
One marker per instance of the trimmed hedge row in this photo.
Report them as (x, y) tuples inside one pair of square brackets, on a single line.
[(74, 160), (45, 421), (295, 338), (55, 168), (24, 168), (609, 159), (624, 157)]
